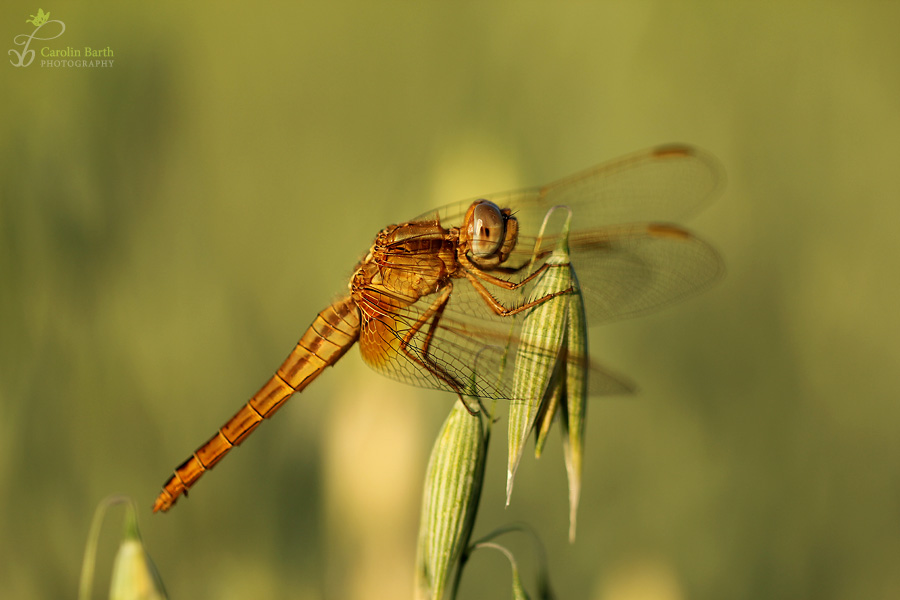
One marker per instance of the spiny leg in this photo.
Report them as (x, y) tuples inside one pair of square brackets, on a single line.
[(469, 266), (433, 314), (498, 307)]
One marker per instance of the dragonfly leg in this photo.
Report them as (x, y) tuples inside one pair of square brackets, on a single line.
[(470, 267), (433, 317), (498, 307)]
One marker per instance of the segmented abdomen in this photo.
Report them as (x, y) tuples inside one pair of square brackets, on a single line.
[(329, 337)]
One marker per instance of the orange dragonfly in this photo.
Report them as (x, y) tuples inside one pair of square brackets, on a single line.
[(439, 293)]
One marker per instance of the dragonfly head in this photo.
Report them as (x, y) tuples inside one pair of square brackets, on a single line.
[(488, 234)]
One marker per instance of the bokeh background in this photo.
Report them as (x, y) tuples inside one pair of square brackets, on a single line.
[(169, 226)]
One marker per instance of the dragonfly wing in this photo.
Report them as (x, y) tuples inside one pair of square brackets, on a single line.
[(468, 347), (640, 269), (623, 271), (665, 183), (417, 346)]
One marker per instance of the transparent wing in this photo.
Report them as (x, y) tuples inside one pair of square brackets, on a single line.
[(666, 183)]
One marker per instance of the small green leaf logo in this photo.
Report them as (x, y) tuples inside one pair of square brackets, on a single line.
[(40, 19)]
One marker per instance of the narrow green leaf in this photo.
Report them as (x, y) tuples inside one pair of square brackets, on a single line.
[(575, 398)]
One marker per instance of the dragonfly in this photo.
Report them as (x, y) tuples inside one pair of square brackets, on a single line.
[(437, 300)]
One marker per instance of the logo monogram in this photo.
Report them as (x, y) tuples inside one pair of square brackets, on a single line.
[(26, 55)]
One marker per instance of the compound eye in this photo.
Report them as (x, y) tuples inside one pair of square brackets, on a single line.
[(487, 228)]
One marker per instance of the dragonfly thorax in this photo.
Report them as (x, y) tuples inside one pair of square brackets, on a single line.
[(406, 262)]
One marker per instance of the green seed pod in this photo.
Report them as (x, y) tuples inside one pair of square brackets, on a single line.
[(542, 336), (450, 499), (538, 379), (134, 576)]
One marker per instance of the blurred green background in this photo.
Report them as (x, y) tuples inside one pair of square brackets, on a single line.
[(169, 226)]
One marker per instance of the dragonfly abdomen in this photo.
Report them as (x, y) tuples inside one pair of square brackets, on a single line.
[(331, 334)]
